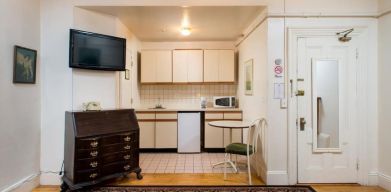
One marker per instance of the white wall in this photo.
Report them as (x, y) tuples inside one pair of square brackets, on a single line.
[(128, 89), (384, 100), (93, 85), (66, 89), (254, 106), (20, 110)]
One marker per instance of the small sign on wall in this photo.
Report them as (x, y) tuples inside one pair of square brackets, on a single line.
[(278, 68), (279, 90)]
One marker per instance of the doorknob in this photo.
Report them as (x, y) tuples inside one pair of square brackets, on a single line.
[(302, 124)]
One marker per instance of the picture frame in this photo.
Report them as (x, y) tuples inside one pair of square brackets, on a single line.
[(25, 65), (248, 77)]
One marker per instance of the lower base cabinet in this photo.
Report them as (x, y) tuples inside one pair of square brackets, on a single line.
[(147, 134), (166, 135), (159, 130), (213, 136)]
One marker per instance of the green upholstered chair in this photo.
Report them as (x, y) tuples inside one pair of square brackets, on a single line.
[(257, 130)]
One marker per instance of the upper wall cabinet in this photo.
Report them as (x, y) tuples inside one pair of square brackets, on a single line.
[(219, 66), (156, 66), (188, 66)]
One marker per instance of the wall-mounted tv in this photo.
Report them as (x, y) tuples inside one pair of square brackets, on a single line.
[(96, 51)]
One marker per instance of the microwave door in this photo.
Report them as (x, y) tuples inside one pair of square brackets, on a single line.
[(223, 102)]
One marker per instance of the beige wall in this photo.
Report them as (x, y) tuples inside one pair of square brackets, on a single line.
[(20, 104), (384, 101), (255, 106)]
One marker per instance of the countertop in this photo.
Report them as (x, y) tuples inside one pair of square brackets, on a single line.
[(188, 109)]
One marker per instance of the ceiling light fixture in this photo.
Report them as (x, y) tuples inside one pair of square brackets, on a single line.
[(185, 31)]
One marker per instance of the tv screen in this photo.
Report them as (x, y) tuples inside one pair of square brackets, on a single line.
[(96, 51)]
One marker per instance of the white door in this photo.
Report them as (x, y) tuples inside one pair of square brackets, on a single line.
[(326, 101)]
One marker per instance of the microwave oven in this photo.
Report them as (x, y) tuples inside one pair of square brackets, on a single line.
[(224, 101)]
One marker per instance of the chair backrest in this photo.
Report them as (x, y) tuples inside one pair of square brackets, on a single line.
[(258, 130)]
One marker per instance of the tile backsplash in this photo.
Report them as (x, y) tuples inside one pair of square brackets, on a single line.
[(180, 96)]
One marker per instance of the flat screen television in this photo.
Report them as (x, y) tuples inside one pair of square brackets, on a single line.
[(96, 51)]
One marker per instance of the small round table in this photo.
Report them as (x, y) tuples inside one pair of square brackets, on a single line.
[(230, 125)]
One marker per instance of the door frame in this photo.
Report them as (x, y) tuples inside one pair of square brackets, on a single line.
[(360, 33)]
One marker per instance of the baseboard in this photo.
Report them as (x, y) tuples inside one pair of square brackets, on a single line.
[(277, 178), (373, 178), (385, 181), (50, 179), (26, 184)]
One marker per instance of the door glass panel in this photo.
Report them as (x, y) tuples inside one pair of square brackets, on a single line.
[(325, 76)]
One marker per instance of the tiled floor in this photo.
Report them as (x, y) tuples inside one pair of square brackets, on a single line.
[(187, 163)]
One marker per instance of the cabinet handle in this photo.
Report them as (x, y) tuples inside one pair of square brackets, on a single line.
[(127, 147), (127, 167), (94, 164), (94, 144), (127, 157), (93, 175), (94, 153), (127, 139)]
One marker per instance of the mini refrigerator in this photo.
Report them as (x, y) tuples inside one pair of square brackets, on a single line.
[(189, 132)]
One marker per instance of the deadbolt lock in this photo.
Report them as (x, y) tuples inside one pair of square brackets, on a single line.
[(300, 93)]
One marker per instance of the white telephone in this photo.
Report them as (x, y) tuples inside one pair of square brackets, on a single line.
[(92, 106)]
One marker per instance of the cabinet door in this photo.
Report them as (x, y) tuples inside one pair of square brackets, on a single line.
[(195, 66), (163, 67), (213, 137), (226, 66), (147, 134), (148, 69), (166, 134), (211, 65), (236, 136), (180, 66)]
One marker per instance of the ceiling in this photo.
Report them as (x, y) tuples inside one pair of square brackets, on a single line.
[(217, 23)]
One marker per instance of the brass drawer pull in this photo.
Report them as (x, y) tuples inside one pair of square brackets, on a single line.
[(127, 139), (127, 147), (127, 157), (127, 167), (94, 144), (93, 175), (94, 164), (94, 153)]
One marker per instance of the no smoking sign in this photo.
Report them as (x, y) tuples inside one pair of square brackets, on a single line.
[(278, 70)]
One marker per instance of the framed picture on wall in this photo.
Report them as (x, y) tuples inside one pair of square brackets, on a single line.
[(25, 64), (248, 77)]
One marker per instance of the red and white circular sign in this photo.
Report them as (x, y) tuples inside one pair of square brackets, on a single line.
[(278, 70)]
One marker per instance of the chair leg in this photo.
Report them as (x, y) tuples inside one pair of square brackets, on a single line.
[(225, 166), (249, 170)]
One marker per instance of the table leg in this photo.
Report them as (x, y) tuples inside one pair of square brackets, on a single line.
[(229, 161)]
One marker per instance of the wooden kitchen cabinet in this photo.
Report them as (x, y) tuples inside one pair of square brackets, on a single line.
[(214, 136), (156, 66), (219, 137), (236, 133), (166, 134), (147, 134), (188, 66), (158, 130), (219, 66)]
